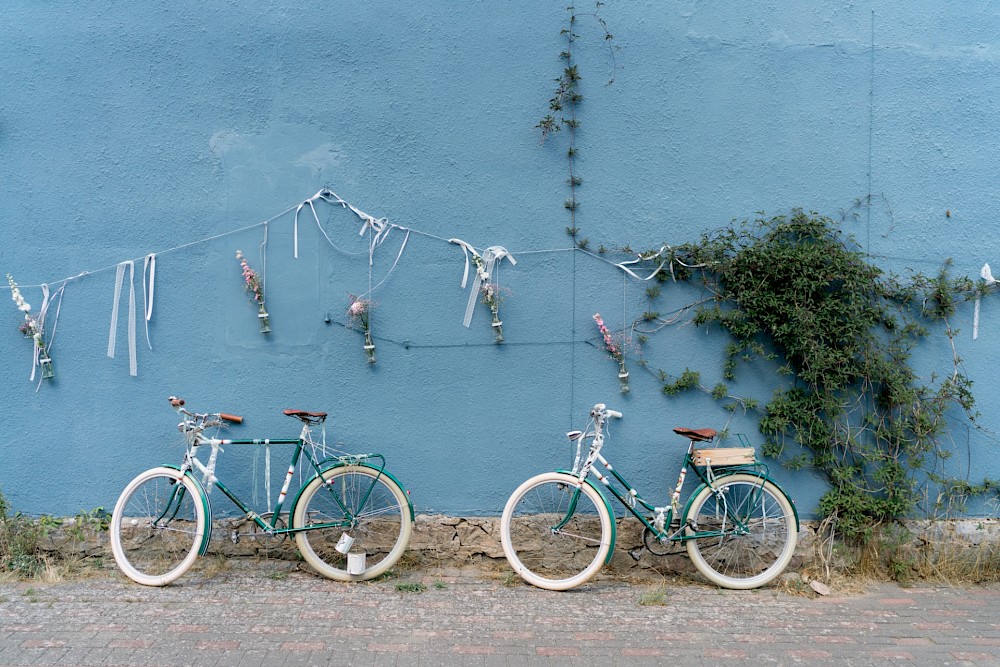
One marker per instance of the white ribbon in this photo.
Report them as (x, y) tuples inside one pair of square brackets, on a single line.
[(147, 292), (986, 275), (624, 265), (267, 475), (663, 252), (47, 302), (133, 370), (326, 195), (40, 323), (466, 249), (378, 227), (491, 256)]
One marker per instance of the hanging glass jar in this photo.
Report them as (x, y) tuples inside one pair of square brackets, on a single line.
[(46, 364), (265, 320), (623, 376), (497, 325), (369, 346)]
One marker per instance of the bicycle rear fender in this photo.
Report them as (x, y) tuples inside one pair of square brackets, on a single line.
[(384, 472), (607, 505), (752, 473), (204, 502)]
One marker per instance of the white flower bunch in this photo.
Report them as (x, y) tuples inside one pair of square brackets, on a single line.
[(30, 326)]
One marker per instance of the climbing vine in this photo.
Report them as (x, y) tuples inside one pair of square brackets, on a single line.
[(795, 290), (564, 103)]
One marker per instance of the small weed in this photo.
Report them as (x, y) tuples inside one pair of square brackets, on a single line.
[(214, 564), (385, 576), (440, 585), (411, 587), (278, 576), (510, 579), (654, 597)]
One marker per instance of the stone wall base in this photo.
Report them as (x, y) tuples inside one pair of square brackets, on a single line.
[(443, 541)]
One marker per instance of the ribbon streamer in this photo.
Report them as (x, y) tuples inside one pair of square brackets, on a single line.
[(327, 195), (491, 256), (40, 323), (987, 275), (663, 252), (147, 293), (47, 302), (624, 265), (466, 249), (133, 370), (378, 228)]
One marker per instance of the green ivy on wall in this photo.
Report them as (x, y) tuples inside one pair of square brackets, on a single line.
[(847, 402)]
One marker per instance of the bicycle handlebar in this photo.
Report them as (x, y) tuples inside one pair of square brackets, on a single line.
[(178, 404), (603, 410)]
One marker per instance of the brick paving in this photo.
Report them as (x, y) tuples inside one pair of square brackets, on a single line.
[(266, 614)]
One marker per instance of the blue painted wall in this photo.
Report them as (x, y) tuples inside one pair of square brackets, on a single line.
[(175, 128)]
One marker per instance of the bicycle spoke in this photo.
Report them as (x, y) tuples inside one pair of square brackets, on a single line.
[(157, 527), (363, 504), (744, 531), (554, 533)]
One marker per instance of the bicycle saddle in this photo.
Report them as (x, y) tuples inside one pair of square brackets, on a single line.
[(311, 417), (702, 434)]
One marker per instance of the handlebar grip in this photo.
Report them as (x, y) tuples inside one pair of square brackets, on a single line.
[(176, 402), (613, 413), (236, 419)]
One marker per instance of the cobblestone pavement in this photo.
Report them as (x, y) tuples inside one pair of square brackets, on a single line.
[(267, 614)]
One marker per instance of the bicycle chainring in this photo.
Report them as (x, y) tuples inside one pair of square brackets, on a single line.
[(657, 548), (266, 542)]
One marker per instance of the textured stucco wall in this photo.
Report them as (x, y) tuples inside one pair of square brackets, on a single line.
[(134, 128)]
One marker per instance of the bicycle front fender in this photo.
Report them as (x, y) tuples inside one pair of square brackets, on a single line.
[(607, 505), (694, 494), (384, 472), (205, 503)]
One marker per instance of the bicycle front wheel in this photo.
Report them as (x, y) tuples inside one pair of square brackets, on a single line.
[(746, 531), (158, 526), (556, 532), (364, 504)]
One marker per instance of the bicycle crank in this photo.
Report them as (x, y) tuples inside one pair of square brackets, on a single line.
[(657, 548)]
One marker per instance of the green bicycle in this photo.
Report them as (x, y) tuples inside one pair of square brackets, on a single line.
[(351, 519), (739, 527)]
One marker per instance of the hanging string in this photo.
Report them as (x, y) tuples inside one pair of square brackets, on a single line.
[(263, 272), (626, 328), (378, 230), (183, 246), (572, 354), (326, 195), (371, 252)]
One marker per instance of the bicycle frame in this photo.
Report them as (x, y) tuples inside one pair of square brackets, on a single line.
[(665, 525), (192, 430)]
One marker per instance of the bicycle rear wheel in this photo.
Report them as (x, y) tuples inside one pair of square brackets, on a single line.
[(368, 506), (555, 532), (747, 531), (158, 526)]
